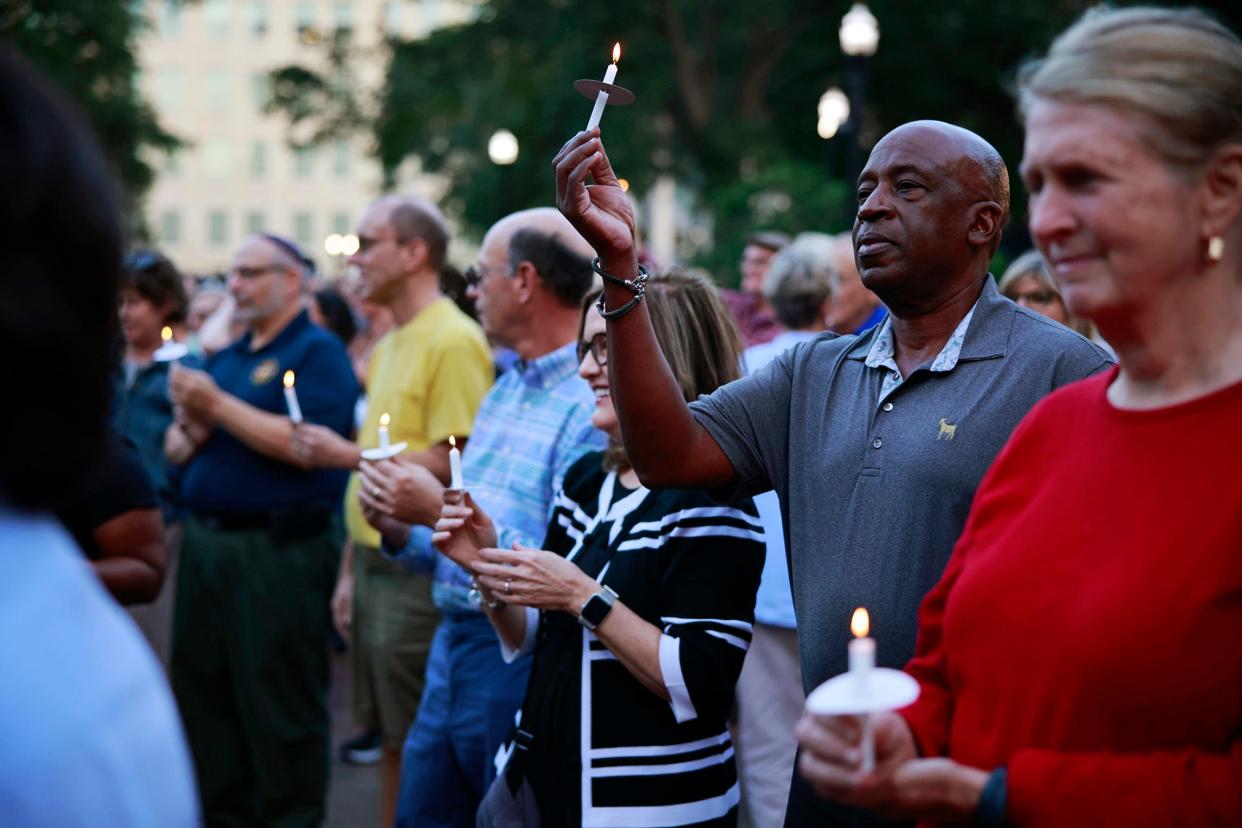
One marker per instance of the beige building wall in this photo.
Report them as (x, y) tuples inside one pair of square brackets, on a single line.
[(205, 67)]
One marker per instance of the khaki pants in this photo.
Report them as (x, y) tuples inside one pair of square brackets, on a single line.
[(769, 703), (393, 622)]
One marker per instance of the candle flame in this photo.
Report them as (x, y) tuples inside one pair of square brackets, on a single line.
[(452, 441), (616, 51), (288, 379), (860, 624), (166, 334), (384, 420)]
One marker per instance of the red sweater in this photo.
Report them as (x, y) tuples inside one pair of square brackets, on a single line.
[(1087, 631)]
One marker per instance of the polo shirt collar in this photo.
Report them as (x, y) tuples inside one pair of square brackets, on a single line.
[(984, 333), (550, 369), (290, 331)]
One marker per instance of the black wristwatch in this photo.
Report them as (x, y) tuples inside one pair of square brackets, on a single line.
[(596, 608)]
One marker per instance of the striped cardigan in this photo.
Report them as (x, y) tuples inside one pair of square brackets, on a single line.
[(606, 751)]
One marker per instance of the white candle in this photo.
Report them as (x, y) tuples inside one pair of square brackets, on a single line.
[(291, 399), (862, 662), (455, 465), (383, 430), (601, 100)]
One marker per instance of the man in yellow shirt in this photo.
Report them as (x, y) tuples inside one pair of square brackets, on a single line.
[(429, 375)]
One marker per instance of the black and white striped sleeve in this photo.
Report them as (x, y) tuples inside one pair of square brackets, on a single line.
[(712, 558)]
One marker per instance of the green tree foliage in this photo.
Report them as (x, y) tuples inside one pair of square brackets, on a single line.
[(726, 92), (87, 48)]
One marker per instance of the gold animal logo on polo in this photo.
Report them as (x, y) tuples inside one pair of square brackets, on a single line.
[(947, 430), (264, 372)]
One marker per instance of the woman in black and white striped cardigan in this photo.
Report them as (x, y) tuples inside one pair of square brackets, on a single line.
[(625, 724)]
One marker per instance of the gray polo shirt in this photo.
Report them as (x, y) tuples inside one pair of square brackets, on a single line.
[(874, 491)]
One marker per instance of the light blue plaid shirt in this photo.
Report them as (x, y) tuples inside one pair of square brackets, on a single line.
[(533, 424)]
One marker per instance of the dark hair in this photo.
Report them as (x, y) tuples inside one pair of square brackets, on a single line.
[(337, 314), (411, 220), (696, 332), (566, 272), (58, 291), (157, 280)]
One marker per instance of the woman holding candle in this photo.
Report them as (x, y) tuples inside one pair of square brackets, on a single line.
[(639, 614), (1079, 660)]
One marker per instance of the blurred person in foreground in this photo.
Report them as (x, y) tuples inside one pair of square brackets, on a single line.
[(639, 613), (750, 308), (874, 443), (1079, 661), (91, 736), (798, 286), (260, 550), (854, 308), (532, 272)]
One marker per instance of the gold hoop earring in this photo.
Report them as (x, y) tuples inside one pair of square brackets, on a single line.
[(1216, 249)]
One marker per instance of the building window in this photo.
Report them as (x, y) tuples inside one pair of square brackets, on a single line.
[(260, 90), (341, 151), (394, 14), (216, 90), (169, 89), (216, 14), (304, 16), (303, 161), (258, 159), (256, 18), (170, 227), (217, 228), (343, 16), (340, 223), (302, 228), (170, 19), (217, 158), (255, 222)]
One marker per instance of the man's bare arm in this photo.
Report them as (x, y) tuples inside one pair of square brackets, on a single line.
[(665, 443)]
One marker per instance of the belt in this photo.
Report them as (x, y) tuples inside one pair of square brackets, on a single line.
[(285, 525)]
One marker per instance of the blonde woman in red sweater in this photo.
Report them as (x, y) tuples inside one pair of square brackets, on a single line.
[(1081, 659)]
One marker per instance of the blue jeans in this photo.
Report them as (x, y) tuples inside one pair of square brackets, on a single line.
[(467, 710)]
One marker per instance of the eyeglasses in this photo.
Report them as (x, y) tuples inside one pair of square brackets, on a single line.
[(476, 273), (1037, 297), (252, 272), (598, 346)]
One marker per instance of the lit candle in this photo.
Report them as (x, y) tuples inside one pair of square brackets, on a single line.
[(291, 399), (455, 465), (601, 100), (862, 662), (166, 334), (383, 430)]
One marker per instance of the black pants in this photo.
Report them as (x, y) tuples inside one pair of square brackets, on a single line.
[(250, 671)]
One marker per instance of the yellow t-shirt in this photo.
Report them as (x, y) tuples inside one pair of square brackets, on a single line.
[(429, 375)]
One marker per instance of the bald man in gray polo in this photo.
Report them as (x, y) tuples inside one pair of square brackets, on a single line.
[(875, 443)]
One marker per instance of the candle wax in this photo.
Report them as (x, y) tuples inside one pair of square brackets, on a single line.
[(455, 469), (291, 402)]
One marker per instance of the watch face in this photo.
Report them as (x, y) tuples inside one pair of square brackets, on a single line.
[(594, 611)]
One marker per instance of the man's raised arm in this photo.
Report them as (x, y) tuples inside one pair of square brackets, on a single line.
[(668, 447)]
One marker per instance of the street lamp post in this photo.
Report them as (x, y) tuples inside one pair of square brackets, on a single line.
[(502, 149), (859, 35)]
